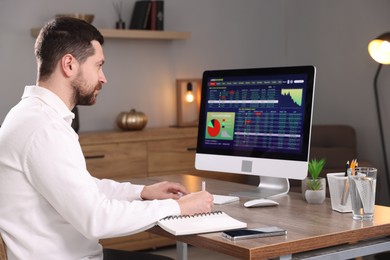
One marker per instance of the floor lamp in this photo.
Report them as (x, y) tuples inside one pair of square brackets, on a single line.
[(379, 50)]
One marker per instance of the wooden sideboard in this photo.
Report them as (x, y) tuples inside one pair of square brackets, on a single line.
[(125, 155)]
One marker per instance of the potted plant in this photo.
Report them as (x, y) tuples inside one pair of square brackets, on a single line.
[(315, 191)]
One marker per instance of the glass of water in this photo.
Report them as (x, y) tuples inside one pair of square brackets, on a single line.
[(362, 187)]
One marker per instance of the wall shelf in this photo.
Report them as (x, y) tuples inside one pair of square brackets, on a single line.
[(135, 34)]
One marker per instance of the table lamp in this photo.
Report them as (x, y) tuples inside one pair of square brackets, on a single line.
[(379, 50)]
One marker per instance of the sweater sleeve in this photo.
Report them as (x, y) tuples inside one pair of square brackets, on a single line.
[(119, 190)]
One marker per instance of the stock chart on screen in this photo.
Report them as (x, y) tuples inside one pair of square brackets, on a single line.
[(260, 113)]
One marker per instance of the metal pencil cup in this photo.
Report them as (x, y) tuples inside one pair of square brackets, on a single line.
[(362, 188), (339, 192)]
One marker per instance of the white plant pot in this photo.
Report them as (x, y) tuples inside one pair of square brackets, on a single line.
[(315, 196)]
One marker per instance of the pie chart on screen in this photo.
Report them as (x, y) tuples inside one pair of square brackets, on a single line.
[(213, 127)]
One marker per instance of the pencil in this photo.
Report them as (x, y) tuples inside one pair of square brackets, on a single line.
[(345, 193), (353, 166)]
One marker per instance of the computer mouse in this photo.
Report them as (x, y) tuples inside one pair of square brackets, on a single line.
[(260, 203)]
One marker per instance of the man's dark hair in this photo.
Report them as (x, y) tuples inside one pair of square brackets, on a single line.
[(63, 36)]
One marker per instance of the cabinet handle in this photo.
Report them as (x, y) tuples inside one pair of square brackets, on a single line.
[(190, 149), (88, 157)]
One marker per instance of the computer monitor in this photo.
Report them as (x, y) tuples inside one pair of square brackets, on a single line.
[(257, 122)]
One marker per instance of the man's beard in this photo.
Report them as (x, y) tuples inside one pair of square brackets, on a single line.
[(81, 97)]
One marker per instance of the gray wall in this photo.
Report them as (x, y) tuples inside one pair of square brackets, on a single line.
[(330, 34)]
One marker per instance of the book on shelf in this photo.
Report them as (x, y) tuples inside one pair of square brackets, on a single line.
[(157, 15), (200, 223), (140, 16), (148, 15)]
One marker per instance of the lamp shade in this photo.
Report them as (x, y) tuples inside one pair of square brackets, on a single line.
[(379, 48)]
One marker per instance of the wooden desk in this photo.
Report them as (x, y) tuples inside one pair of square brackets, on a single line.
[(309, 227)]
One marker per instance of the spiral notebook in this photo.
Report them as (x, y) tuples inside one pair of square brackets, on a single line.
[(200, 223)]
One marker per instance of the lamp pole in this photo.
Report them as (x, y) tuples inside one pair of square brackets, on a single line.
[(380, 123)]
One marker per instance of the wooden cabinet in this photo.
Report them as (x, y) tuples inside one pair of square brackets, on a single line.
[(124, 156), (171, 155), (117, 160)]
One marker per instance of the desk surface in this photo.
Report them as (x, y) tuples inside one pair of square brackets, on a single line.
[(308, 226)]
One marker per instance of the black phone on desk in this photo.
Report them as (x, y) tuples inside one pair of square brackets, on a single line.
[(238, 234)]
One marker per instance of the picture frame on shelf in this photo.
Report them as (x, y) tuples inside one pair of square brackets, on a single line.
[(188, 101)]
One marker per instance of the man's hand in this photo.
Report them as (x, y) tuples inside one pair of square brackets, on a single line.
[(163, 190), (198, 202)]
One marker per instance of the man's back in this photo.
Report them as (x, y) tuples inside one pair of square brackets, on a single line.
[(29, 224)]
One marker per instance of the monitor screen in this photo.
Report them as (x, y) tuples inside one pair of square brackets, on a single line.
[(256, 121)]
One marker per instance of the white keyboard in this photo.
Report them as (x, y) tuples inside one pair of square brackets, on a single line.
[(223, 199)]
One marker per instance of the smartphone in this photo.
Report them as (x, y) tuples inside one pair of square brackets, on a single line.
[(253, 233)]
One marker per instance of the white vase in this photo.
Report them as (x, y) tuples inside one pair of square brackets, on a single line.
[(316, 196)]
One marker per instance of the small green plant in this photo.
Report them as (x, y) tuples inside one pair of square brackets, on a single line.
[(315, 168)]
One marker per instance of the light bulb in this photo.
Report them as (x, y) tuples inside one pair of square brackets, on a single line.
[(189, 95), (380, 51), (385, 46)]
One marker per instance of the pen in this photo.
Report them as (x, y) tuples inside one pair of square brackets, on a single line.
[(346, 169), (350, 168), (203, 186)]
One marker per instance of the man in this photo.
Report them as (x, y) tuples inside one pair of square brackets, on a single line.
[(50, 206)]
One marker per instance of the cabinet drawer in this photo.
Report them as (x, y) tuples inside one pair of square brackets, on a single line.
[(171, 155), (120, 161)]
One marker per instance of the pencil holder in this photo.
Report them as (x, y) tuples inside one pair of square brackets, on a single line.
[(340, 196)]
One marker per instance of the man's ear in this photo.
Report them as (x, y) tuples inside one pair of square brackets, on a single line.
[(69, 65)]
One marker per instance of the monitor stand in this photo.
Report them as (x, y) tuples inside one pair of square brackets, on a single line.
[(268, 187)]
